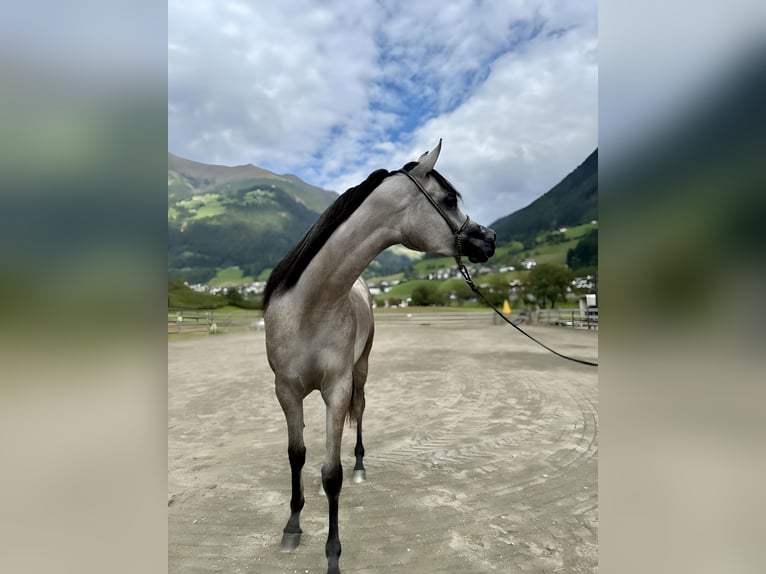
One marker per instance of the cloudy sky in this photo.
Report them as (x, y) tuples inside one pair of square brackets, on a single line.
[(332, 90)]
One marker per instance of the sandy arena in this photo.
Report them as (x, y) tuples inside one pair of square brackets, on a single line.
[(481, 456)]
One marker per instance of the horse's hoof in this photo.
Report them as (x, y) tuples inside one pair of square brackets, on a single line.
[(359, 476), (290, 541)]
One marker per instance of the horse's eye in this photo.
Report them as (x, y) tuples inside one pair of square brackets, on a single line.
[(450, 201)]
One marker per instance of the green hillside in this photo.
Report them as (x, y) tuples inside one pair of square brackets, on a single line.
[(180, 296), (240, 217), (549, 247), (571, 202), (228, 225)]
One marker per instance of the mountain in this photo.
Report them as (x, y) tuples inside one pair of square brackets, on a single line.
[(185, 176), (242, 216), (573, 201)]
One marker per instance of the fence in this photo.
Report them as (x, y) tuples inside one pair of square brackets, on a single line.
[(436, 317), (558, 317), (568, 318), (194, 321)]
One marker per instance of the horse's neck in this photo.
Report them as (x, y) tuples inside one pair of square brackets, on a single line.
[(349, 250)]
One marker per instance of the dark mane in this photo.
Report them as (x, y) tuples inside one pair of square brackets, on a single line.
[(289, 270)]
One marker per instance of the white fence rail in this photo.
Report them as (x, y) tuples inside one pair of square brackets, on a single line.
[(193, 321)]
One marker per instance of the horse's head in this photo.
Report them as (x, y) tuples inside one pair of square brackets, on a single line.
[(432, 219)]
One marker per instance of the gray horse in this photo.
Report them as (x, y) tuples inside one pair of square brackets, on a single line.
[(318, 310)]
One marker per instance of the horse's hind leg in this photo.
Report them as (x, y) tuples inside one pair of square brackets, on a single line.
[(360, 377), (292, 406), (360, 475), (357, 406)]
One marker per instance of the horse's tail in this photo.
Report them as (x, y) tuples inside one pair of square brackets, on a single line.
[(356, 407), (359, 378), (362, 298)]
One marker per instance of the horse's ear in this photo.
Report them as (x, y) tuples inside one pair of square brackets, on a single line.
[(427, 161)]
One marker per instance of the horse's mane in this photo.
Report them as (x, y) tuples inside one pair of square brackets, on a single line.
[(289, 270)]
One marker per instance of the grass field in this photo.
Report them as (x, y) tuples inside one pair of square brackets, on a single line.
[(210, 209), (229, 276), (433, 265), (551, 253), (579, 230), (555, 254), (180, 296)]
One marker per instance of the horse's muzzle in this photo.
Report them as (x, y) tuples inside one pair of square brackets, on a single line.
[(479, 243)]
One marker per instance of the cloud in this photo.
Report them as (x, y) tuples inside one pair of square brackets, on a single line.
[(332, 92), (266, 85), (533, 121)]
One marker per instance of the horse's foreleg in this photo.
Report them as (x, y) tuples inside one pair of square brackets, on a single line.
[(296, 452), (332, 470), (332, 480)]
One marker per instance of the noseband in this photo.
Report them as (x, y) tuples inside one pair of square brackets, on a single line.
[(457, 231)]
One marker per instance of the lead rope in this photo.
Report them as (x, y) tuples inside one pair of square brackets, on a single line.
[(467, 276)]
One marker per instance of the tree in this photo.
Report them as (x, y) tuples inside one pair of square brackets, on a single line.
[(462, 292), (548, 283), (234, 296), (585, 253), (394, 301), (498, 290), (426, 295)]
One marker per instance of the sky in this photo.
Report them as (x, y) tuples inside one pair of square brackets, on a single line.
[(332, 90)]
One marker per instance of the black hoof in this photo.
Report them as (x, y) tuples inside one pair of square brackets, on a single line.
[(290, 541)]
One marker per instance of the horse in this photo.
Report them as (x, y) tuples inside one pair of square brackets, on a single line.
[(318, 310)]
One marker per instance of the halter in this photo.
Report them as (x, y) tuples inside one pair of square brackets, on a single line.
[(457, 231)]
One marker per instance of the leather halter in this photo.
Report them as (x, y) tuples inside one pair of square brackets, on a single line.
[(457, 231)]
